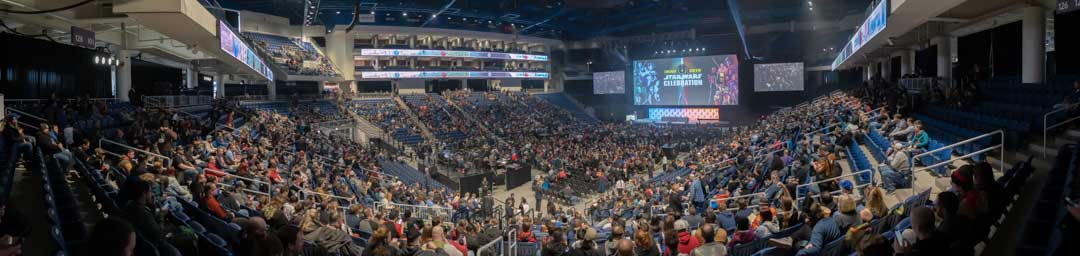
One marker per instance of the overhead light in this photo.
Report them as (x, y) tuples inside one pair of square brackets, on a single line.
[(372, 12), (337, 12), (404, 14), (489, 22), (810, 3), (464, 19)]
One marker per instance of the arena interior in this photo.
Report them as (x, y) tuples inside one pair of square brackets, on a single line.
[(539, 127)]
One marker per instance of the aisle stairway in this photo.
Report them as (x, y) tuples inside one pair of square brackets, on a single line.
[(414, 119)]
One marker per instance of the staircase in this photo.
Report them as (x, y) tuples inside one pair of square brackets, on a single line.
[(1013, 226), (415, 120)]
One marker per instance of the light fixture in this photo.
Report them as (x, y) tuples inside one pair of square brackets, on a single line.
[(404, 14), (372, 12), (337, 12), (489, 22), (811, 3), (97, 59), (464, 19)]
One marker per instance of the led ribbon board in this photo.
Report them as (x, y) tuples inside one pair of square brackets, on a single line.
[(453, 54), (873, 25), (452, 74), (239, 50)]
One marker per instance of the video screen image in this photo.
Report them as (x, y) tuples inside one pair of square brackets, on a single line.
[(777, 77), (611, 82), (687, 81)]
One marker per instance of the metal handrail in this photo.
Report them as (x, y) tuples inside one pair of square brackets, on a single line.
[(1047, 128), (245, 189), (489, 246), (1001, 159), (308, 191), (102, 142), (512, 249), (856, 188), (820, 130), (800, 186), (23, 113)]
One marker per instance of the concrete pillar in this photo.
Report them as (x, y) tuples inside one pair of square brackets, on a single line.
[(944, 58), (886, 69), (339, 49), (192, 77), (271, 90), (123, 75), (1033, 41), (219, 86)]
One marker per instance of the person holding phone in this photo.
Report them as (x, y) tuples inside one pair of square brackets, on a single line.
[(922, 238)]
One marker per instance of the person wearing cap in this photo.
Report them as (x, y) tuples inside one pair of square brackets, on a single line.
[(587, 245), (963, 184), (687, 243), (895, 174)]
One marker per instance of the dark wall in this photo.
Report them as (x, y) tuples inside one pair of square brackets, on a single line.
[(33, 69), (1066, 40), (245, 89), (297, 87), (150, 78), (374, 86), (1007, 50), (926, 61)]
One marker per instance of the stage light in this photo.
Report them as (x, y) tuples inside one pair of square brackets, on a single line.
[(97, 59)]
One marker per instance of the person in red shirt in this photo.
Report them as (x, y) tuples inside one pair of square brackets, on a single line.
[(212, 204), (687, 242)]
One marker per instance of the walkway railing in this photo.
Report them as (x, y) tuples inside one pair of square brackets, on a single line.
[(512, 249), (176, 101), (800, 187), (1000, 145), (422, 212), (24, 123), (1047, 127), (103, 142), (490, 246)]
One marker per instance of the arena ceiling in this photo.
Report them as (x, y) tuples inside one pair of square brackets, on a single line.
[(561, 19)]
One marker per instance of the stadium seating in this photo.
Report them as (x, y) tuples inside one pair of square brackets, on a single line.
[(560, 100)]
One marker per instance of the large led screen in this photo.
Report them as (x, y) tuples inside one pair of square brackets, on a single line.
[(612, 82), (687, 81), (239, 50), (778, 77)]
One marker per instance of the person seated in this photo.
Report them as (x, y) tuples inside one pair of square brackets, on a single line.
[(846, 216), (824, 231), (743, 234), (922, 238)]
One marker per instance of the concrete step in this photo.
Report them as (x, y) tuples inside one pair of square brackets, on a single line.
[(1037, 147), (897, 196), (1072, 133)]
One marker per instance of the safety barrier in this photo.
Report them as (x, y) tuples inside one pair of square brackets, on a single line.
[(799, 188), (422, 212), (102, 142), (176, 101), (1047, 127), (24, 123), (512, 249), (489, 246), (1000, 145)]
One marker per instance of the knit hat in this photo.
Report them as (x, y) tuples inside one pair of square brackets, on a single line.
[(963, 177), (846, 185)]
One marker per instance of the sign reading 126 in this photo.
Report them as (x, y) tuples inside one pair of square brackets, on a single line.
[(1064, 6)]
